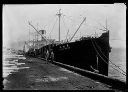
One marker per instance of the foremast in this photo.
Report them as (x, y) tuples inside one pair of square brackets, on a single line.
[(59, 16)]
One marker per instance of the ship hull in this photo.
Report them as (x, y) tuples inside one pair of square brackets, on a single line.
[(89, 54)]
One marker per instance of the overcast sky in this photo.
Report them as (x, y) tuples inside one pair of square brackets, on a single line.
[(16, 17)]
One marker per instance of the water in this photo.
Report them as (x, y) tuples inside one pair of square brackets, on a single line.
[(118, 57)]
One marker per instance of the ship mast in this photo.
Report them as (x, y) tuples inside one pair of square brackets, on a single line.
[(59, 15)]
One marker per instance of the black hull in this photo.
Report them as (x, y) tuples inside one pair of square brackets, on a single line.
[(82, 54)]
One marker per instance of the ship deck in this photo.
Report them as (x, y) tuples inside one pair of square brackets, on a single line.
[(42, 75)]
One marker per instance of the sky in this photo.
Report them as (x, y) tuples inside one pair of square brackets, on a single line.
[(43, 16)]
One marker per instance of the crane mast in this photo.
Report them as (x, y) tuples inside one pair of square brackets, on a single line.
[(59, 15)]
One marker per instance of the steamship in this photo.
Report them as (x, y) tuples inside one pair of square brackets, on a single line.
[(89, 53)]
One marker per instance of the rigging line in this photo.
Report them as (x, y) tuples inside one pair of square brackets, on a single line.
[(111, 66), (69, 18), (67, 35), (52, 27), (65, 27), (103, 59), (107, 58), (64, 23), (50, 22)]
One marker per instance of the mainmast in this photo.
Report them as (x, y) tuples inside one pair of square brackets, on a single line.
[(59, 15)]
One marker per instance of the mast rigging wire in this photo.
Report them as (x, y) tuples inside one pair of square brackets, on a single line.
[(50, 22), (52, 28), (66, 28), (67, 35), (64, 23)]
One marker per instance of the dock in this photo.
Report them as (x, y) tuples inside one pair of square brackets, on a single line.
[(42, 75)]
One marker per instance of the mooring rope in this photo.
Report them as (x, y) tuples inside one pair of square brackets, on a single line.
[(103, 59), (107, 58)]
